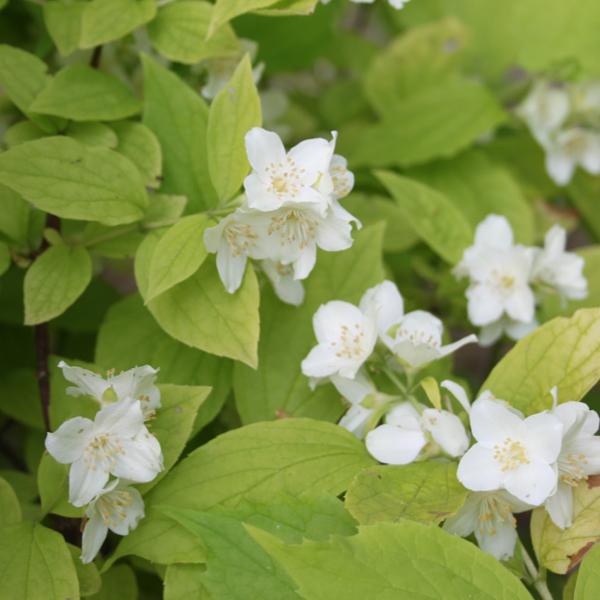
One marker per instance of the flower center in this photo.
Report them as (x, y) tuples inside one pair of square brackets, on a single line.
[(511, 454), (571, 468), (350, 342), (284, 178), (294, 227), (101, 453), (112, 507), (240, 237)]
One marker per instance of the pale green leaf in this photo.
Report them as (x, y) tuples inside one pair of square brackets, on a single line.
[(437, 122), (225, 10), (561, 550), (10, 509), (184, 582), (36, 564), (95, 134), (82, 93), (113, 242), (119, 582), (88, 576), (584, 191), (179, 33), (393, 560), (479, 187), (431, 215), (75, 181), (178, 255), (200, 313), (178, 117), (19, 397), (164, 209), (103, 21), (63, 21), (140, 146), (588, 579), (234, 111), (146, 343), (23, 131), (17, 218), (425, 491), (278, 387), (53, 486), (563, 353), (54, 281)]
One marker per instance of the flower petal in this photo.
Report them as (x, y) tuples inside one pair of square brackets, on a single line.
[(312, 157), (492, 421), (385, 302), (356, 420), (458, 391), (560, 506), (321, 361), (231, 267), (533, 482), (305, 263), (544, 434), (134, 512), (454, 346), (478, 471), (263, 148), (520, 305), (135, 383), (394, 446), (495, 231), (354, 390), (141, 460), (85, 482), (257, 195), (484, 304), (68, 442), (499, 542), (94, 534), (446, 430), (124, 418), (404, 415), (86, 382), (466, 520)]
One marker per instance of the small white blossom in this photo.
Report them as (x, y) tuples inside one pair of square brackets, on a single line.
[(572, 148), (287, 289), (137, 383), (578, 458), (558, 269), (489, 515), (117, 507), (115, 443), (512, 453), (346, 337)]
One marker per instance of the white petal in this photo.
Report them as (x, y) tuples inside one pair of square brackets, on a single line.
[(543, 437), (560, 166), (335, 315), (484, 304), (520, 305), (87, 382), (501, 543), (289, 291), (354, 390), (517, 330), (67, 443), (135, 382), (313, 156), (321, 361), (466, 520), (94, 534), (490, 334), (479, 471), (385, 302), (447, 431), (334, 234), (533, 482), (257, 196), (134, 512), (305, 263), (588, 446), (454, 346), (458, 391), (263, 148), (560, 506), (495, 231), (394, 446), (492, 421), (356, 420), (231, 268), (141, 460), (590, 160), (124, 418), (404, 415), (85, 482)]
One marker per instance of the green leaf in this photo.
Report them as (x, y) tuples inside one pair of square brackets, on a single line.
[(414, 61), (22, 77), (119, 582), (54, 281), (225, 10), (561, 550), (393, 560), (19, 397), (10, 509), (82, 93), (164, 209), (563, 352), (140, 146), (437, 122), (146, 343), (234, 111), (75, 181), (94, 134), (17, 218), (437, 221), (291, 455), (279, 387), (4, 258), (174, 421), (179, 118), (53, 486), (179, 33), (36, 564), (23, 131), (584, 190), (63, 21), (88, 576), (178, 255), (184, 582), (479, 187), (427, 492), (588, 578), (200, 313), (107, 20)]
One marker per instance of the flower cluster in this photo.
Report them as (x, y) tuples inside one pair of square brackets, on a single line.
[(290, 209), (116, 443), (565, 120), (518, 463), (507, 280), (377, 331)]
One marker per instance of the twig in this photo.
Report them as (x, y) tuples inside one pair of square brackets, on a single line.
[(538, 577)]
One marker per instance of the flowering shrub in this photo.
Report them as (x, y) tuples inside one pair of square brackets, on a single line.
[(299, 299)]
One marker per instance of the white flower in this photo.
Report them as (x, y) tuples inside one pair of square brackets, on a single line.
[(578, 458), (545, 110), (515, 330), (136, 383), (406, 432), (511, 452), (279, 178), (234, 239), (346, 337), (585, 97), (499, 274), (116, 442), (569, 149), (490, 516), (558, 269), (341, 178), (287, 289), (117, 507), (415, 338)]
